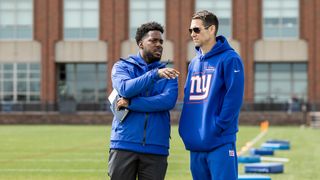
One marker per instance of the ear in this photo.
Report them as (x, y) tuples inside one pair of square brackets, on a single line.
[(213, 29), (140, 45)]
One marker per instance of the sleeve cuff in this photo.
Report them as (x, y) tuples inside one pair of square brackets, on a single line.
[(155, 74)]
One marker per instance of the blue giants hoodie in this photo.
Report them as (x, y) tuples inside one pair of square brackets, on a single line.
[(146, 128), (213, 97)]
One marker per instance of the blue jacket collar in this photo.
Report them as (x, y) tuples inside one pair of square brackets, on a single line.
[(139, 61), (220, 46)]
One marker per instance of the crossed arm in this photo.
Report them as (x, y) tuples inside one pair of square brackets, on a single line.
[(129, 88), (161, 102)]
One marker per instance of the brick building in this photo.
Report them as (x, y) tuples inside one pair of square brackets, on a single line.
[(53, 51)]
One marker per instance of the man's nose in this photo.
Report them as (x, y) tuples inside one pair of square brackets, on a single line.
[(158, 44), (193, 34)]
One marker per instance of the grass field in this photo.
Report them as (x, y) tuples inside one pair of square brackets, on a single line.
[(81, 152)]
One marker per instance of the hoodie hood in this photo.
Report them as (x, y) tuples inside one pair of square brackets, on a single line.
[(136, 59), (220, 46), (139, 61)]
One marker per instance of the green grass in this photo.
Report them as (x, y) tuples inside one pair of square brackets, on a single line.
[(81, 152)]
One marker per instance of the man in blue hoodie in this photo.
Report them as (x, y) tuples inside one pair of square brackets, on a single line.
[(212, 99), (139, 143)]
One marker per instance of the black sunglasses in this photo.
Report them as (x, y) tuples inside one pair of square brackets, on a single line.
[(197, 30)]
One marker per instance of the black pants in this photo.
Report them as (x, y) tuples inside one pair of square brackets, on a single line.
[(126, 165)]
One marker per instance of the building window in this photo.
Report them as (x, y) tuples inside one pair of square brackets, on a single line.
[(280, 18), (142, 11), (20, 82), (82, 82), (16, 19), (81, 19), (279, 82), (222, 9)]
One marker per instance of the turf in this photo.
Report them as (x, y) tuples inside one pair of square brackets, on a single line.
[(81, 152)]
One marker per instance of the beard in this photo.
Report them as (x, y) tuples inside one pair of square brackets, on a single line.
[(150, 57)]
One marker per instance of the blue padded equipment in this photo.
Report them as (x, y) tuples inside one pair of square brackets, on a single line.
[(253, 177), (264, 168), (278, 141), (249, 159), (275, 146), (262, 152)]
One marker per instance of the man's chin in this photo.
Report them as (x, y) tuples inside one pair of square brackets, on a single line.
[(197, 44), (157, 57)]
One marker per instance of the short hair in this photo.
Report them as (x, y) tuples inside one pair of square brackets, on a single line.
[(145, 28), (207, 18)]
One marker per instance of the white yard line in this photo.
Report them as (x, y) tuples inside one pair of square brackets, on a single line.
[(54, 160), (274, 159), (250, 144), (55, 170), (76, 170), (42, 152)]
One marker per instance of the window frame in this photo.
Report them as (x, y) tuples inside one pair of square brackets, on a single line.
[(230, 36), (147, 11), (82, 9), (292, 80), (15, 80), (281, 29), (75, 82), (15, 12)]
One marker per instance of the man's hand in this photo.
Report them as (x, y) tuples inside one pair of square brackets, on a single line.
[(122, 103), (168, 73)]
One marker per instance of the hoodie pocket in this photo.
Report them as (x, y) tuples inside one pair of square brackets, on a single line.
[(215, 128)]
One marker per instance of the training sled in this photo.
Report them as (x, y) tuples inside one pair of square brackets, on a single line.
[(253, 177), (256, 159), (277, 141), (262, 152), (264, 168), (249, 159), (275, 146)]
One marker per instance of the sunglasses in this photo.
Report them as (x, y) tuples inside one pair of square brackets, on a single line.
[(197, 30)]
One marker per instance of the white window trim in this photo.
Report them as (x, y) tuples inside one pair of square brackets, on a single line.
[(15, 85)]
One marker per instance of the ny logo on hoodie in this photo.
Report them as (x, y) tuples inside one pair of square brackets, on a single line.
[(200, 86)]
